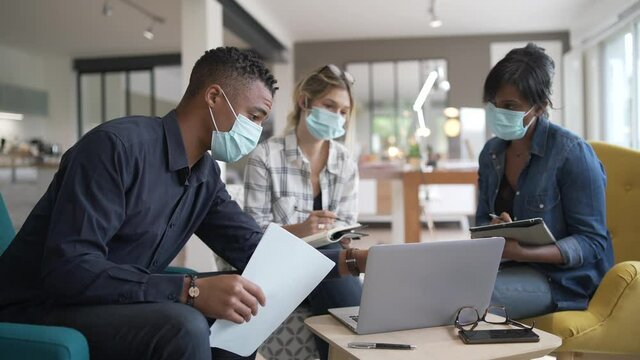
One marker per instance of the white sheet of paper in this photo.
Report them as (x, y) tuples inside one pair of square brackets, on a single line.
[(287, 269)]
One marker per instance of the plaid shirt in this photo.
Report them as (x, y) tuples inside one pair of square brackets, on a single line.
[(277, 178)]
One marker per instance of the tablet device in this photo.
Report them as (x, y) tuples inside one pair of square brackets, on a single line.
[(527, 232)]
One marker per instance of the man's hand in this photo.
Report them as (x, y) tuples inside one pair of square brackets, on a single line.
[(229, 297)]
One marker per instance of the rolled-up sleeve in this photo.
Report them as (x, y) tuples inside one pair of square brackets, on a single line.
[(571, 252), (87, 213)]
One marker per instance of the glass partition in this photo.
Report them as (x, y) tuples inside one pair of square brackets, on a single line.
[(385, 93)]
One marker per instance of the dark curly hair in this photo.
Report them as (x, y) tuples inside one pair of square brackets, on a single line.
[(529, 69), (228, 66)]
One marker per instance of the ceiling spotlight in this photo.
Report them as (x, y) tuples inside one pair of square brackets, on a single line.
[(435, 20), (107, 9), (148, 32)]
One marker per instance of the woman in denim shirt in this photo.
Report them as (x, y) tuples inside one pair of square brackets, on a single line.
[(534, 168)]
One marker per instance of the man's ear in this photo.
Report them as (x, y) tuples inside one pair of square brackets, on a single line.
[(212, 94)]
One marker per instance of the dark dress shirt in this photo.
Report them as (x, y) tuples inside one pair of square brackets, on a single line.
[(120, 208)]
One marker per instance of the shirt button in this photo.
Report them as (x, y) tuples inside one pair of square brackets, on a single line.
[(154, 263), (541, 206), (171, 297), (171, 225), (517, 193), (122, 298)]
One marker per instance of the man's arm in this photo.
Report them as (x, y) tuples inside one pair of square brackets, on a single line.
[(88, 211)]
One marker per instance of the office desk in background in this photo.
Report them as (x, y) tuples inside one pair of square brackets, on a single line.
[(405, 185), (432, 343)]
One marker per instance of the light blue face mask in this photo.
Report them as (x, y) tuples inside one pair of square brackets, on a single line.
[(324, 124), (506, 124), (243, 137)]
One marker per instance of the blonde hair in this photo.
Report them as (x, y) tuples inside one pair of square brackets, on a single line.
[(314, 86)]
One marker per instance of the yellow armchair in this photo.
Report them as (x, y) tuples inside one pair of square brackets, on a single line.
[(610, 324)]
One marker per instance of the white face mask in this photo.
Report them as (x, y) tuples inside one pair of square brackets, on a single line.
[(243, 137), (506, 124), (324, 124)]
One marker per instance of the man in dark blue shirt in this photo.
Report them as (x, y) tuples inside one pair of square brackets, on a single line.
[(125, 200)]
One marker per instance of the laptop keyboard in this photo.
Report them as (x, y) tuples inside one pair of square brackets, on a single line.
[(354, 317)]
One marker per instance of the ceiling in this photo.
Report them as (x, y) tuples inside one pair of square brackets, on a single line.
[(354, 19), (78, 28)]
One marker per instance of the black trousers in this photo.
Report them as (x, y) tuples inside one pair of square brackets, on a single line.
[(154, 331)]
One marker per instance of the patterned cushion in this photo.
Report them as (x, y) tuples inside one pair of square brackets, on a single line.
[(291, 340)]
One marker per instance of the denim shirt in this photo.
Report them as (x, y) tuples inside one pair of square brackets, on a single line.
[(563, 183)]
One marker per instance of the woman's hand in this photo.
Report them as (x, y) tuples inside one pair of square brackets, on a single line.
[(512, 250), (503, 218), (318, 221)]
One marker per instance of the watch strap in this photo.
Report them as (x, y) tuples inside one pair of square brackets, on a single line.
[(352, 263), (193, 291)]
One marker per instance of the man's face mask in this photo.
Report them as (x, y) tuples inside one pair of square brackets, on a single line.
[(506, 124), (324, 124), (243, 137)]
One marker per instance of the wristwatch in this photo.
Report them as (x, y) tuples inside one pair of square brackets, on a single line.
[(352, 264), (194, 291)]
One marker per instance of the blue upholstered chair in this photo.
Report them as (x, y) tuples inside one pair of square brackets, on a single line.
[(35, 342)]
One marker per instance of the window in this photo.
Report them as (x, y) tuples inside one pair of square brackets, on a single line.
[(619, 74), (385, 92), (110, 88)]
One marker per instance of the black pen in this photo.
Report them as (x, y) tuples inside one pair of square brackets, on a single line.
[(385, 346)]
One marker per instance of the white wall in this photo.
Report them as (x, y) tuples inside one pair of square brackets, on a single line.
[(282, 102), (283, 72), (51, 73), (595, 19)]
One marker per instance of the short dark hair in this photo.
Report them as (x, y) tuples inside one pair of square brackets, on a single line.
[(529, 69), (227, 66)]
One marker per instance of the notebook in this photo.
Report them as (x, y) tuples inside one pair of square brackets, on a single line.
[(527, 232), (334, 235)]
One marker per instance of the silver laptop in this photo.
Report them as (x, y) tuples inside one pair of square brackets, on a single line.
[(409, 286)]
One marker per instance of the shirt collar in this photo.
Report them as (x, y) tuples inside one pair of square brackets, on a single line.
[(539, 141), (177, 155), (293, 153)]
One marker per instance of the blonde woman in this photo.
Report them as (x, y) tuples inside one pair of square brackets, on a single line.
[(306, 179)]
